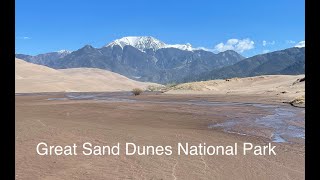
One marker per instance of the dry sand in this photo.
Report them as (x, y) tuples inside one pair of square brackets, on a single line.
[(145, 122), (283, 88), (36, 78), (63, 122)]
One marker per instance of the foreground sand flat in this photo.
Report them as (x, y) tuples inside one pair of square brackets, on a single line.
[(144, 122)]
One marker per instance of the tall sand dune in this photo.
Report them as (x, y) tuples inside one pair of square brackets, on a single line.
[(287, 88), (36, 78)]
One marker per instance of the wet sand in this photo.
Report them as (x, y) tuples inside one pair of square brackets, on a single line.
[(154, 119)]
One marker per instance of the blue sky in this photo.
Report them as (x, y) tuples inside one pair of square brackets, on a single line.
[(51, 25)]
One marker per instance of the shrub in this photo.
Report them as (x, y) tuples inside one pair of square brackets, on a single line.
[(152, 88), (171, 85), (136, 91)]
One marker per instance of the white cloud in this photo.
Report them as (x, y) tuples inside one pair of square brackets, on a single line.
[(265, 51), (232, 41), (24, 38), (202, 48), (300, 44), (290, 42), (265, 43), (223, 47), (236, 45)]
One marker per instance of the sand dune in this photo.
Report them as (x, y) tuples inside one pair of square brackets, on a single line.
[(179, 115), (286, 88), (36, 78)]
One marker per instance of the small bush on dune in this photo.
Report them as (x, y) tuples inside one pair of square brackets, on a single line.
[(168, 87), (152, 88), (136, 91), (171, 85)]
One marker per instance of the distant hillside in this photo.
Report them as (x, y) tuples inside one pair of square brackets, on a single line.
[(144, 58), (141, 58), (287, 62)]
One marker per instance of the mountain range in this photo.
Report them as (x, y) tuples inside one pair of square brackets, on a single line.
[(289, 61), (145, 58)]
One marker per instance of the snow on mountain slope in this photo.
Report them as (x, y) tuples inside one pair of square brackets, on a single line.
[(63, 51), (148, 42), (141, 43)]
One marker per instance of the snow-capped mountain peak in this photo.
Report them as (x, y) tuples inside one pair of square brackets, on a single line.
[(147, 42), (63, 51), (139, 42)]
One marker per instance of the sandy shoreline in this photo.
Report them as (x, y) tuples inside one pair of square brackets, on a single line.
[(145, 123)]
